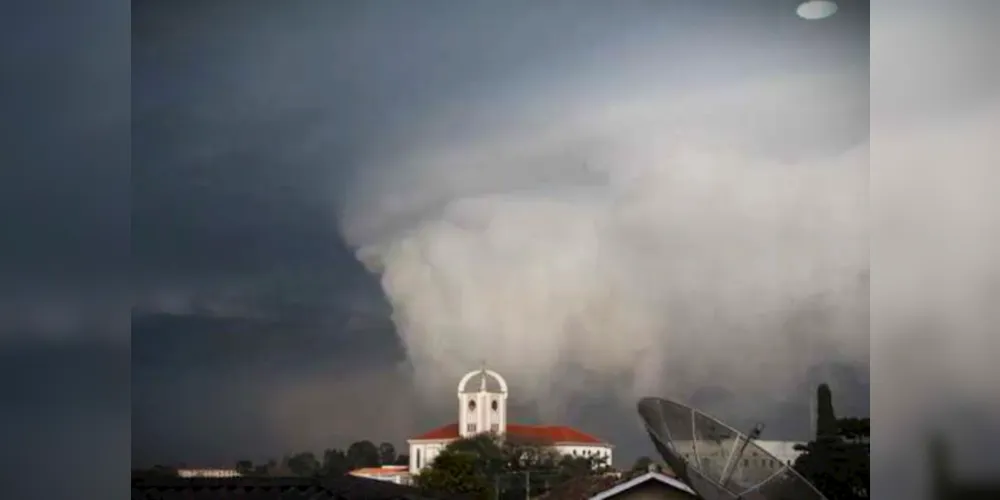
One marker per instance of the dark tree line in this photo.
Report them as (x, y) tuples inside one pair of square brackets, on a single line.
[(489, 468), (330, 463), (837, 460)]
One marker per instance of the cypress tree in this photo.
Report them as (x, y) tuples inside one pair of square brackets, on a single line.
[(826, 419)]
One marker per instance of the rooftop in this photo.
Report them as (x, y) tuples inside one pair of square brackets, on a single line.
[(547, 434), (385, 470), (657, 477)]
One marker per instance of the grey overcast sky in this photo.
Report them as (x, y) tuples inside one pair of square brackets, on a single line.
[(336, 207), (270, 138), (64, 221)]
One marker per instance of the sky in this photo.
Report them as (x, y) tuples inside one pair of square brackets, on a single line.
[(64, 196), (362, 199), (338, 208)]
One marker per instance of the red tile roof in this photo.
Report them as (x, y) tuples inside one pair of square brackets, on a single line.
[(550, 434), (380, 471), (449, 431)]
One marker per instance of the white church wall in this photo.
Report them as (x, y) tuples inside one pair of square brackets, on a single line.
[(423, 454)]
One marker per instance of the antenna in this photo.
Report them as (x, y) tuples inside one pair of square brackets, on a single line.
[(716, 460)]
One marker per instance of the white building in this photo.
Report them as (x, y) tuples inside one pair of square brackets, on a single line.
[(483, 410), (715, 457), (218, 473), (782, 450)]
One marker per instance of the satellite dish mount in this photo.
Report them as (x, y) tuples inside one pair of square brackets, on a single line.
[(734, 458)]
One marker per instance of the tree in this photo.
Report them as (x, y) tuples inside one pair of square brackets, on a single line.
[(154, 472), (569, 467), (279, 468), (245, 467), (456, 472), (362, 454), (855, 430), (387, 454), (334, 463), (492, 456), (504, 469), (304, 464), (641, 466), (826, 419), (837, 461)]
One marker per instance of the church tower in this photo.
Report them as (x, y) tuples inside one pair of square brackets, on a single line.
[(482, 408)]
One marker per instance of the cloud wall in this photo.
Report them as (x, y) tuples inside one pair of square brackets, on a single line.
[(646, 238)]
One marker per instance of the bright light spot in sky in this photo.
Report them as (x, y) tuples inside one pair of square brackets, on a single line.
[(816, 9)]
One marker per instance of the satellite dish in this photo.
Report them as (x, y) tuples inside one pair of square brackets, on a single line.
[(816, 9), (718, 461)]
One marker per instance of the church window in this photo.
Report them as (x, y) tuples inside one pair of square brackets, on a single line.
[(495, 405), (470, 427), (472, 405), (494, 428), (418, 458)]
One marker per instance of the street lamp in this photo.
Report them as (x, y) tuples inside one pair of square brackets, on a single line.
[(816, 9)]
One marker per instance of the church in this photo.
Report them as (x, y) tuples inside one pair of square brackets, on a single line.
[(483, 408)]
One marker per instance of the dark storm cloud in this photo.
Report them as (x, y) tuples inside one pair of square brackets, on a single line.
[(254, 323), (64, 219), (64, 186), (68, 136)]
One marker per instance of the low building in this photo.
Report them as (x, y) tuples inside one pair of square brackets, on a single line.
[(485, 411), (782, 450), (397, 474), (649, 486), (777, 454), (208, 472)]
